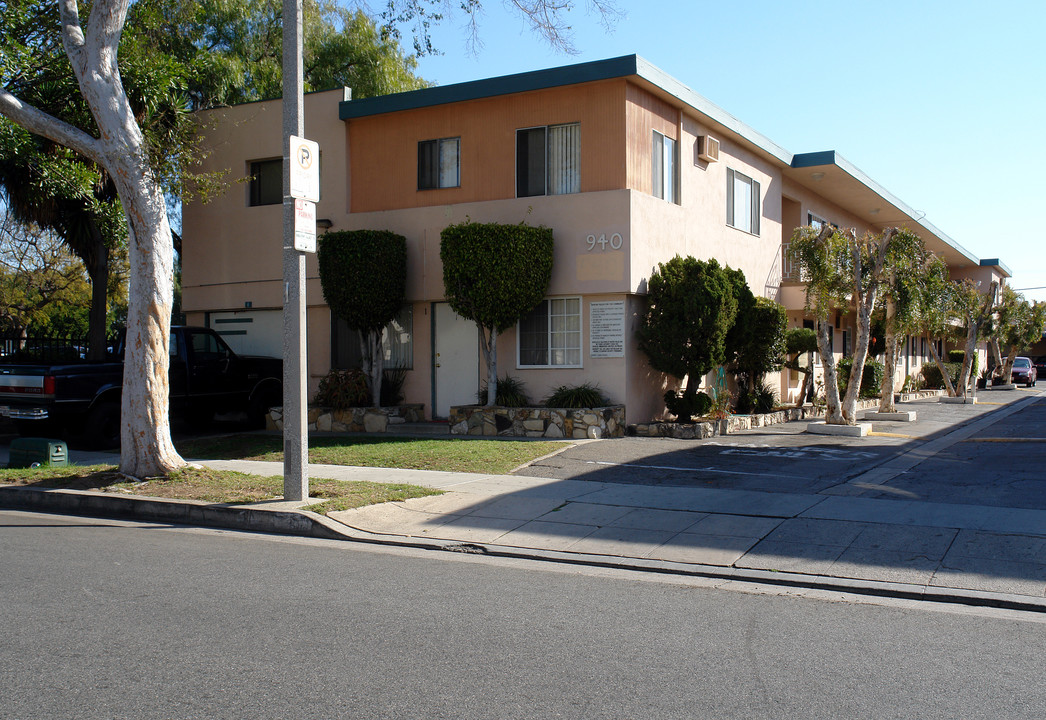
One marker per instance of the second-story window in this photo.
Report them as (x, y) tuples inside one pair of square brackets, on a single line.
[(439, 163), (663, 159), (742, 202), (266, 187), (548, 160)]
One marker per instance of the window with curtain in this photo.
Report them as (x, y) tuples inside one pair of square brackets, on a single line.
[(397, 343), (742, 202), (663, 161), (550, 336), (548, 160), (439, 163)]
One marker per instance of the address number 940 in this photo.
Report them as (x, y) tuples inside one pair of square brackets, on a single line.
[(614, 242)]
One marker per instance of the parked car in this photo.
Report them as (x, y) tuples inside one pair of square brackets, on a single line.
[(1040, 365), (1024, 372), (83, 398)]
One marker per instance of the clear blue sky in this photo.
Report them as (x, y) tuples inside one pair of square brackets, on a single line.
[(941, 103)]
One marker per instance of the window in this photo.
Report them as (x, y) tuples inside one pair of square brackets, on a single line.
[(742, 202), (439, 163), (550, 336), (548, 160), (397, 342), (663, 160), (266, 182)]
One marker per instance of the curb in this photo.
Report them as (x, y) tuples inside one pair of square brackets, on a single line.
[(308, 524)]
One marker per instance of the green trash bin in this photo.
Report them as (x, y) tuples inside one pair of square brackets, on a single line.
[(26, 452)]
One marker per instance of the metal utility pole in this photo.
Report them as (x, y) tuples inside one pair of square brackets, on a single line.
[(295, 407)]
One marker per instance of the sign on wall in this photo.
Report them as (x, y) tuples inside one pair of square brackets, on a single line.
[(606, 330)]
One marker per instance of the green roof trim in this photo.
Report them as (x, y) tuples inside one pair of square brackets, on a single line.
[(996, 262)]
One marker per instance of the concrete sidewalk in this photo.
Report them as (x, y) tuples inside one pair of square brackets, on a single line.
[(974, 554)]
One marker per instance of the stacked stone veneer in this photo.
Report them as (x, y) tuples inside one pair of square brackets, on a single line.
[(375, 419), (590, 423), (736, 423)]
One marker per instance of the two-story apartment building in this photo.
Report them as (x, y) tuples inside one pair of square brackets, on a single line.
[(627, 165)]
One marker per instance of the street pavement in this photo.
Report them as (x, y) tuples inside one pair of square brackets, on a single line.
[(950, 507)]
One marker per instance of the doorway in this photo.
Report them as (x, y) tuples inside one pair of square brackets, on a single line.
[(455, 360)]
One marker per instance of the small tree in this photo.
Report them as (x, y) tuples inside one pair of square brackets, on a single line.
[(759, 340), (364, 279), (494, 275), (973, 309), (905, 255), (691, 306), (1018, 324), (842, 270), (934, 308), (797, 343)]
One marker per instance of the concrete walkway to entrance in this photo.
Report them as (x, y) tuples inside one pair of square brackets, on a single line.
[(838, 537)]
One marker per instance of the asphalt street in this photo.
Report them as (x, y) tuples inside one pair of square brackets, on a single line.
[(107, 619)]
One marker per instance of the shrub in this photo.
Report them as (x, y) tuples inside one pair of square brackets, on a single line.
[(958, 356), (687, 405), (342, 389), (585, 395), (761, 400), (932, 374), (871, 378), (392, 387), (510, 393)]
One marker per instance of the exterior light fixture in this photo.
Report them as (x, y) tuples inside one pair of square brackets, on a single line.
[(817, 175), (325, 223)]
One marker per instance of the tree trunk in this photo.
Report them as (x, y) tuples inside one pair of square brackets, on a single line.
[(973, 328), (373, 362), (997, 354), (146, 448), (833, 414), (886, 389), (490, 354), (940, 366)]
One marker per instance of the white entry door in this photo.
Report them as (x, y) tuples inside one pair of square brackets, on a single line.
[(456, 360)]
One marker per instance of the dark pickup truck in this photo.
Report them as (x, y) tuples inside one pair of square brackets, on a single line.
[(83, 398)]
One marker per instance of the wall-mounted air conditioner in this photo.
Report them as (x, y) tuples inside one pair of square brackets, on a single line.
[(707, 148)]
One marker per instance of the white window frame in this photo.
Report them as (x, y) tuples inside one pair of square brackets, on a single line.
[(549, 151), (665, 184), (548, 346), (754, 211)]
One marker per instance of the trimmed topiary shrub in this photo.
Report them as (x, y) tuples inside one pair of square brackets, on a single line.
[(585, 395), (932, 374)]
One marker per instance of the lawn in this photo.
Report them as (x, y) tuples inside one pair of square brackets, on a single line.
[(216, 486), (451, 454)]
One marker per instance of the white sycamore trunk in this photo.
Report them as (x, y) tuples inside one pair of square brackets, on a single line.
[(146, 447)]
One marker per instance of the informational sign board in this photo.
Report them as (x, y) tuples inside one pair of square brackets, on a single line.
[(305, 169), (304, 226), (606, 329)]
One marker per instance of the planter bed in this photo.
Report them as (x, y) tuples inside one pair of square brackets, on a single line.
[(358, 419), (737, 423), (591, 423)]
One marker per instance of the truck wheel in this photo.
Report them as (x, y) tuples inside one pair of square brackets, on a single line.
[(103, 426), (263, 399)]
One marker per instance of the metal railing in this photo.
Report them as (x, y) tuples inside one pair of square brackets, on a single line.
[(15, 347)]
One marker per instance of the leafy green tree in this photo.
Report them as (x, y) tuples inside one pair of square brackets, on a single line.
[(759, 337), (905, 256), (1018, 324), (841, 271), (364, 279), (494, 275), (691, 306), (971, 308), (933, 308)]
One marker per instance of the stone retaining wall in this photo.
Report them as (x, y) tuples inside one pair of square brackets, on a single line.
[(736, 423), (353, 419), (590, 423)]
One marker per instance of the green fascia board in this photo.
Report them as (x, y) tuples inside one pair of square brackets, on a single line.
[(620, 67), (831, 157), (996, 262)]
